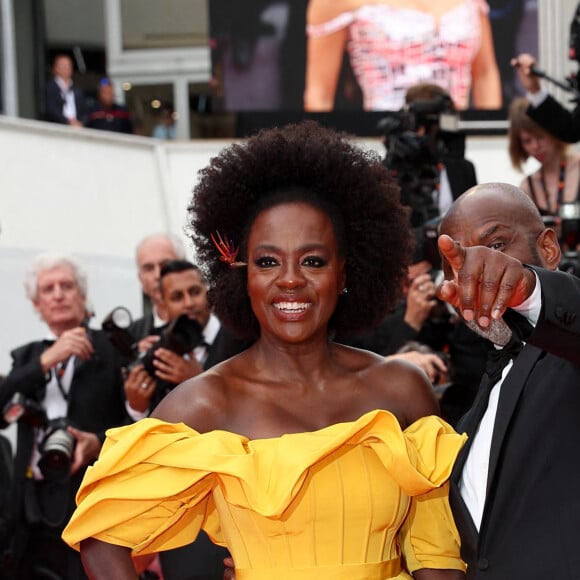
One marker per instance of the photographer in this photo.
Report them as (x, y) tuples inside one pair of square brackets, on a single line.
[(73, 378), (183, 290), (425, 151)]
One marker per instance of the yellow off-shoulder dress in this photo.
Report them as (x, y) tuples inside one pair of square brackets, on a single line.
[(362, 500)]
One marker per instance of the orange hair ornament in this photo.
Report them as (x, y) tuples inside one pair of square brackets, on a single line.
[(228, 252)]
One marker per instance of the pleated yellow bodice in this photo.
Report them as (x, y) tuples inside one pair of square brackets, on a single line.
[(359, 500)]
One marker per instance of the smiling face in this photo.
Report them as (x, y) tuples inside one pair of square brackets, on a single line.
[(295, 273)]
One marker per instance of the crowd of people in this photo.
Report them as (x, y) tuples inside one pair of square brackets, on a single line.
[(316, 396)]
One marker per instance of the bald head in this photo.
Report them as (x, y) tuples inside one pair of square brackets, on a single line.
[(489, 199), (502, 217), (152, 252)]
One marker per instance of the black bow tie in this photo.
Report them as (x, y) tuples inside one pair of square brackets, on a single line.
[(498, 358)]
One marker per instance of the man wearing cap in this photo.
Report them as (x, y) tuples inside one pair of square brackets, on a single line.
[(107, 115)]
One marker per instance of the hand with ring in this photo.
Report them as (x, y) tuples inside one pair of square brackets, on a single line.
[(139, 388)]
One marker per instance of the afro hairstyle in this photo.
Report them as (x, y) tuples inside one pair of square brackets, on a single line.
[(309, 163)]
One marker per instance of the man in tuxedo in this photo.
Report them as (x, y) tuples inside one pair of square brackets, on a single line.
[(74, 375), (514, 488), (65, 103), (152, 252), (544, 109), (183, 290)]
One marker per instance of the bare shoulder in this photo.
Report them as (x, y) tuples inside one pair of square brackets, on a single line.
[(396, 385), (200, 402), (320, 11)]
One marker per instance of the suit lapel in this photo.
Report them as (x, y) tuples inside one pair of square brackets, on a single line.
[(511, 391), (463, 520)]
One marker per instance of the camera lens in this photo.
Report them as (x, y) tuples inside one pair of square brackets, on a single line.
[(57, 453)]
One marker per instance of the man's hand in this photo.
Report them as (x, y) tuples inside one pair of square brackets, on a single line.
[(87, 448), (420, 301), (139, 389), (229, 572), (432, 364), (146, 343), (485, 281), (524, 63), (174, 368), (71, 342)]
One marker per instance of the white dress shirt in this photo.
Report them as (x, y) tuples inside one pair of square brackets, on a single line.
[(54, 403), (473, 482), (69, 109)]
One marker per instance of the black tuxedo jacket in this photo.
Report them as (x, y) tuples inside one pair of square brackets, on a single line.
[(530, 528), (54, 103), (224, 346), (557, 120), (96, 398), (141, 327)]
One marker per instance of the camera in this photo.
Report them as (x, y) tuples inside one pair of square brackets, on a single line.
[(180, 336), (57, 445), (416, 138)]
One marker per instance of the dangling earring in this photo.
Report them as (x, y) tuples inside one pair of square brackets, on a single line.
[(344, 290)]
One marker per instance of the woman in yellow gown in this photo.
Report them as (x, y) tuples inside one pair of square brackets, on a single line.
[(307, 459)]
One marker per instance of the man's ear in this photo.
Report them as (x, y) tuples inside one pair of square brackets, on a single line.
[(549, 249)]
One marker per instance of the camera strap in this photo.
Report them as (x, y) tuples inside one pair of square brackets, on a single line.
[(59, 376), (560, 195)]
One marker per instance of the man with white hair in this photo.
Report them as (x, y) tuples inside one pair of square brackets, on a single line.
[(69, 386)]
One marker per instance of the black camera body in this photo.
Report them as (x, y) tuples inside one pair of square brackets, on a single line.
[(180, 336), (416, 138), (57, 445)]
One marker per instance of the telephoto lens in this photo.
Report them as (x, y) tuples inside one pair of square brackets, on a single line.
[(57, 449)]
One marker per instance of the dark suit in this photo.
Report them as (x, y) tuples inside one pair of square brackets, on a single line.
[(54, 104), (143, 327), (529, 528), (95, 403), (557, 120)]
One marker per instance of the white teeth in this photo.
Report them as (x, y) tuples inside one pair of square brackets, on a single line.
[(291, 306)]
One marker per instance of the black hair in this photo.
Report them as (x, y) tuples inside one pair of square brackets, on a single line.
[(304, 162)]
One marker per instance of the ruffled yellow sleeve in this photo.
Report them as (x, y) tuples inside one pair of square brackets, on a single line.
[(140, 494), (429, 537), (154, 483)]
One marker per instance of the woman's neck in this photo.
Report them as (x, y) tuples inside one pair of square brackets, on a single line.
[(553, 166)]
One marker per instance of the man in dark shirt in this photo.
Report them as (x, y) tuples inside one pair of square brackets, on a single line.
[(108, 115)]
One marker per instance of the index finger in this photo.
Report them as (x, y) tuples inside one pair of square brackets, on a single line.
[(452, 251)]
